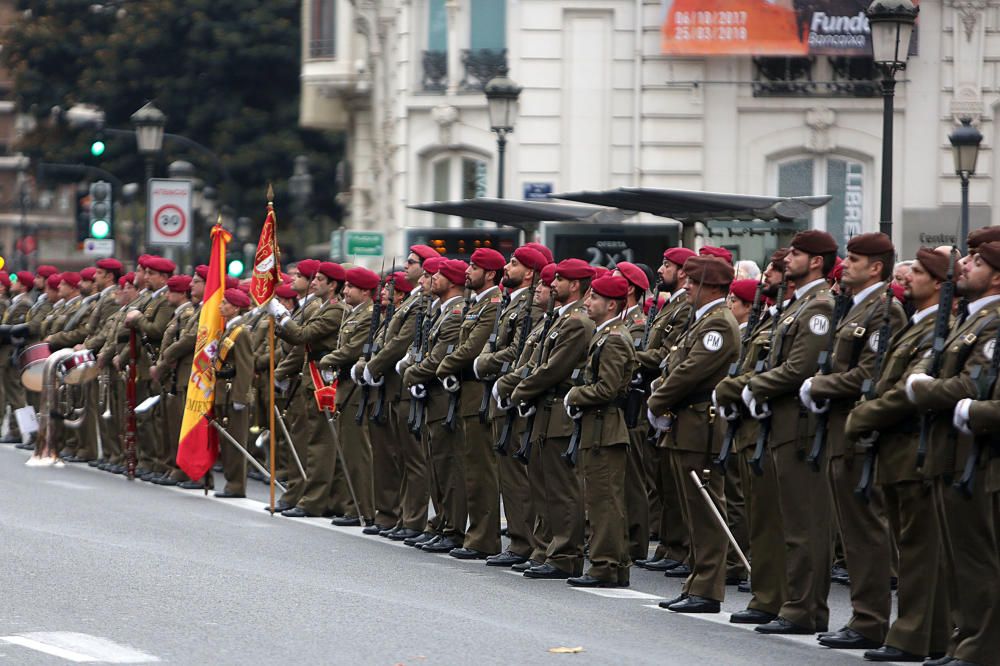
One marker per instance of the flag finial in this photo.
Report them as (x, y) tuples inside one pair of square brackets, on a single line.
[(270, 194)]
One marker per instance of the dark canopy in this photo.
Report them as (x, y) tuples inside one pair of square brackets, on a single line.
[(517, 213)]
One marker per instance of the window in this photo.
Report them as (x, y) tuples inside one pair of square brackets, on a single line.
[(487, 50), (435, 56), (322, 29), (458, 177), (842, 178)]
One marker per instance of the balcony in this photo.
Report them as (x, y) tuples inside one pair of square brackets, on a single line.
[(479, 65), (811, 77)]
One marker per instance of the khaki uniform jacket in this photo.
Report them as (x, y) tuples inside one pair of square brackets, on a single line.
[(602, 394), (667, 327), (293, 356), (891, 414), (399, 335), (36, 316), (74, 327), (473, 335), (240, 359), (728, 391), (700, 361), (319, 332), (172, 339), (15, 314), (59, 319), (491, 364), (150, 326), (443, 334), (258, 344), (350, 346), (562, 352), (802, 335), (523, 364), (98, 323), (116, 334)]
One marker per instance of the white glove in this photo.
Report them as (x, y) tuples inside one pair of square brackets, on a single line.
[(659, 423), (354, 375), (400, 367), (275, 307), (328, 375), (524, 410), (418, 391), (254, 312), (574, 412), (496, 393), (367, 376), (913, 379), (475, 368), (239, 406), (961, 416), (756, 411), (451, 384), (805, 396), (729, 413), (281, 384)]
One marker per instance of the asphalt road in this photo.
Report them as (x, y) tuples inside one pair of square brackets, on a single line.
[(94, 568)]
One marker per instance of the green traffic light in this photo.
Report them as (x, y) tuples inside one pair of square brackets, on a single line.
[(97, 148), (235, 268), (100, 229)]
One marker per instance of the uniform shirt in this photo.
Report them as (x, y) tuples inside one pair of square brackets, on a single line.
[(610, 365)]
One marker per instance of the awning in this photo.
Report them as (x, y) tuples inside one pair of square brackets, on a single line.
[(518, 213)]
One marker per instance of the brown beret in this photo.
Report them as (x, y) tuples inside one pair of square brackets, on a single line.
[(990, 252), (979, 236), (709, 270), (778, 259), (870, 245), (934, 262), (814, 241)]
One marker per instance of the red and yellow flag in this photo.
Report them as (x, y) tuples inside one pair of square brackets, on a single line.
[(266, 265), (198, 447)]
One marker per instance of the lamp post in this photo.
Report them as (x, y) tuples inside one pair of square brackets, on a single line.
[(148, 122), (891, 27), (965, 140), (501, 102)]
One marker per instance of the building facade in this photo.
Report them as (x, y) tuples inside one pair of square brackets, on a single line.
[(605, 103)]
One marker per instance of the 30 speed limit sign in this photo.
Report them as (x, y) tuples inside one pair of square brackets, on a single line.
[(169, 211)]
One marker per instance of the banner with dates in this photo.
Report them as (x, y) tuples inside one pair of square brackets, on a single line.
[(768, 27)]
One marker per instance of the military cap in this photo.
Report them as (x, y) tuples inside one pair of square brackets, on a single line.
[(236, 298), (870, 245), (720, 252), (633, 274), (531, 258), (610, 286), (46, 270), (25, 277), (454, 270), (160, 265), (332, 271), (814, 241), (232, 283), (399, 282), (128, 278), (70, 278), (308, 268), (362, 278), (201, 270), (488, 259), (109, 264), (678, 255), (433, 264), (712, 271), (548, 274), (600, 271), (179, 284), (778, 259), (990, 252), (546, 252), (286, 278), (5, 279), (745, 290), (574, 269), (285, 291), (934, 262), (425, 252), (244, 286), (979, 236), (87, 274), (141, 261), (52, 281)]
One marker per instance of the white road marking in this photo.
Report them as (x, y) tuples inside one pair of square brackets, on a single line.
[(68, 484), (79, 648), (617, 593)]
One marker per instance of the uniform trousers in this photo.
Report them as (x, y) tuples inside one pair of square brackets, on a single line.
[(356, 457), (320, 442), (234, 463), (562, 504), (541, 535), (482, 485), (636, 496), (13, 394), (651, 475), (604, 473), (736, 516), (516, 494), (298, 425), (387, 463), (174, 410), (674, 537), (447, 478), (768, 584), (707, 538), (414, 485)]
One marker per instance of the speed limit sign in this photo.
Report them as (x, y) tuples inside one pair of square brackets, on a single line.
[(169, 211)]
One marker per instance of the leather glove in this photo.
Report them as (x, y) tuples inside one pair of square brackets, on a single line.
[(913, 379), (805, 397), (355, 377), (239, 406), (960, 417), (367, 376), (756, 411), (418, 391), (524, 410)]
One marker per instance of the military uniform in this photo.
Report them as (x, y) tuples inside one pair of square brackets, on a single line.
[(115, 337), (174, 367), (636, 493), (233, 393), (13, 391), (60, 331)]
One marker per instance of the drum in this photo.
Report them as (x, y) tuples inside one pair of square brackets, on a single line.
[(79, 368), (31, 363)]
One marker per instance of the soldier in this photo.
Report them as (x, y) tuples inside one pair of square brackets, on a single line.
[(557, 357), (680, 407), (520, 276), (773, 394), (60, 333), (971, 554), (482, 482), (602, 435), (443, 444), (234, 389), (352, 437), (921, 627), (319, 334), (13, 391), (285, 462), (863, 525), (115, 337)]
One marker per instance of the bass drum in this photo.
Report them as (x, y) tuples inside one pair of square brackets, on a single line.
[(31, 363), (79, 368)]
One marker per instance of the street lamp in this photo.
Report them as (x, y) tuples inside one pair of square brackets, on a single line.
[(149, 122), (891, 27), (501, 102), (965, 140)]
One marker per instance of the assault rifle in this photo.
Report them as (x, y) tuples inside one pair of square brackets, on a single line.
[(523, 455), (863, 491), (420, 342), (507, 431), (453, 399), (484, 406), (984, 389), (763, 365), (378, 414), (941, 328), (842, 304), (368, 349)]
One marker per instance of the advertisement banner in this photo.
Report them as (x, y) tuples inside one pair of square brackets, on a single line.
[(768, 27)]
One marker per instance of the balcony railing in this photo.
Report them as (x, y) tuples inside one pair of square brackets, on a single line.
[(481, 65), (435, 78), (794, 77), (322, 48)]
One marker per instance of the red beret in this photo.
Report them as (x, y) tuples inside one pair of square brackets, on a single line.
[(745, 290), (709, 270), (837, 271), (46, 270), (52, 281), (232, 283), (546, 252), (488, 259), (70, 278), (425, 252), (600, 271), (87, 274), (244, 286), (179, 284), (898, 291), (548, 274), (201, 270), (678, 255), (285, 291), (332, 271), (720, 252), (934, 262), (574, 269), (990, 252), (286, 278), (25, 277), (160, 265), (308, 267), (610, 286), (814, 241), (633, 274), (870, 245), (399, 282), (362, 278), (433, 264), (5, 279), (141, 261), (454, 271), (236, 298), (128, 278), (109, 264), (531, 258)]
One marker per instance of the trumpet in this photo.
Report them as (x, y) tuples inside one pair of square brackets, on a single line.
[(103, 386)]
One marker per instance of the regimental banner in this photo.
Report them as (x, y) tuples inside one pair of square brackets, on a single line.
[(768, 27)]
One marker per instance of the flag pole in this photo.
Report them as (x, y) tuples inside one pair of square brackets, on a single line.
[(270, 362)]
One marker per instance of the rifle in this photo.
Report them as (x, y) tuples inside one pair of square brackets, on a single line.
[(366, 351), (420, 342), (484, 406), (573, 449), (449, 421), (763, 365), (842, 304), (863, 491), (941, 321), (983, 391), (523, 455), (508, 423), (734, 369), (378, 414), (654, 309)]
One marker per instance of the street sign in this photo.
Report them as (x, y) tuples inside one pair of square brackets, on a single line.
[(169, 205), (363, 243), (336, 245), (99, 247), (537, 191)]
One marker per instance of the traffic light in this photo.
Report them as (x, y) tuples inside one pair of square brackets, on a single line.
[(235, 268), (97, 147), (100, 209), (82, 213)]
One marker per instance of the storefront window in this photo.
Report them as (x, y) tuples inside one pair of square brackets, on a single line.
[(842, 178)]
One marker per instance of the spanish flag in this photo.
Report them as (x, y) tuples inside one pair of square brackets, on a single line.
[(198, 447)]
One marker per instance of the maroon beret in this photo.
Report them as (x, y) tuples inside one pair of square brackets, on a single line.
[(934, 262), (128, 278), (610, 286), (548, 274), (720, 252), (52, 281), (990, 252), (837, 271), (201, 270), (454, 270), (308, 268), (546, 252), (870, 245), (600, 271), (109, 264), (285, 291), (399, 282), (237, 298), (141, 261), (25, 277), (530, 257), (633, 274), (87, 274), (70, 278), (778, 259), (979, 236), (574, 269), (709, 270), (362, 278), (5, 279), (678, 255), (745, 290), (286, 278), (232, 283), (425, 252), (814, 241), (179, 284), (433, 264), (332, 271), (46, 270), (244, 286), (488, 259), (160, 265)]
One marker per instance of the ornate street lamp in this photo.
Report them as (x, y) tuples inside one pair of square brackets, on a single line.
[(149, 122), (501, 101), (965, 140)]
